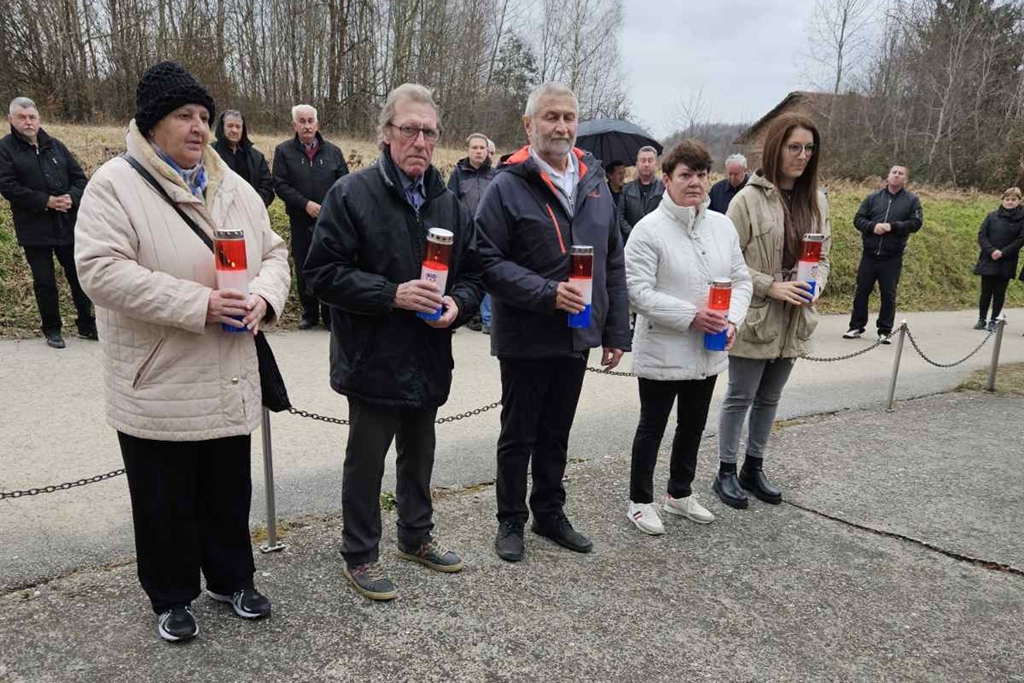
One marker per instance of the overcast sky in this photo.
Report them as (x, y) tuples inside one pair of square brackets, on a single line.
[(746, 54)]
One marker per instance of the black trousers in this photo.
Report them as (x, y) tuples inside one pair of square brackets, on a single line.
[(44, 285), (312, 309), (886, 272), (190, 508), (693, 399), (371, 430), (993, 291), (538, 404)]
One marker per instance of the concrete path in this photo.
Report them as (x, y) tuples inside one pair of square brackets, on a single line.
[(881, 591), (53, 429)]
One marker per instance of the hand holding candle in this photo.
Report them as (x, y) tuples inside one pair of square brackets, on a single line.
[(435, 268), (581, 268)]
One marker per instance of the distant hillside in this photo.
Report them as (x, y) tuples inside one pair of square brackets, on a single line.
[(717, 136)]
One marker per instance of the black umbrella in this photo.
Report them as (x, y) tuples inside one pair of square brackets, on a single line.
[(614, 140)]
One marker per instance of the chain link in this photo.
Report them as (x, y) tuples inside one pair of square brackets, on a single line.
[(966, 358), (599, 371), (440, 420), (61, 487), (848, 356), (321, 418)]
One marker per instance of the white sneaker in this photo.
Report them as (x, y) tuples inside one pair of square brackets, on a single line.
[(646, 518), (687, 507), (853, 333)]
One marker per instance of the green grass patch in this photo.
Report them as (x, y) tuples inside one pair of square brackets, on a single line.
[(1009, 380)]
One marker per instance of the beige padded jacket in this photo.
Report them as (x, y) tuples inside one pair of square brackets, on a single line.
[(170, 375), (772, 328)]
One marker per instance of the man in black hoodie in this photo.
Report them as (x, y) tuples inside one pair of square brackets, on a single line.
[(468, 181), (886, 220), (305, 168), (237, 151)]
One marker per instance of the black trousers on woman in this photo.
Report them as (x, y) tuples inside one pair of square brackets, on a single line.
[(190, 507), (993, 291), (693, 398)]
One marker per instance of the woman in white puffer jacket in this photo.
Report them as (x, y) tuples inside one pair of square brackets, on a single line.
[(672, 256)]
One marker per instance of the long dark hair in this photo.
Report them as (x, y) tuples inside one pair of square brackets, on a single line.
[(803, 210)]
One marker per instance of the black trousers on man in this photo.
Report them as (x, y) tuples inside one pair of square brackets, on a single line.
[(886, 272), (190, 508), (693, 398), (312, 309), (371, 430), (44, 285), (538, 404), (993, 291)]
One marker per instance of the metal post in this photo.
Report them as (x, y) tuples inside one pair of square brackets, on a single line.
[(268, 481), (896, 367), (1000, 324)]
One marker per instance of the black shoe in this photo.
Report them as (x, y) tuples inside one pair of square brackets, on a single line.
[(54, 340), (992, 325), (177, 625), (981, 324), (560, 530), (729, 491), (248, 603), (509, 541), (475, 325), (435, 556), (88, 333), (369, 580), (307, 323), (754, 480)]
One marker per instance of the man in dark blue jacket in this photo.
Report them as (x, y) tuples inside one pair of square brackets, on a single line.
[(394, 367), (546, 198), (735, 179), (44, 184), (886, 220)]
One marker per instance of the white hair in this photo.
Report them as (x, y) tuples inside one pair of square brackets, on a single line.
[(299, 107), (413, 92), (545, 90), (490, 145), (21, 103), (736, 159), (647, 148)]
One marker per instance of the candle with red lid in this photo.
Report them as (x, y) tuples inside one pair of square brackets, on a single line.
[(581, 269), (810, 257), (435, 264), (232, 273), (719, 298)]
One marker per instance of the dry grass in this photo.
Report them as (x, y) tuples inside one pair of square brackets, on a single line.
[(1009, 380)]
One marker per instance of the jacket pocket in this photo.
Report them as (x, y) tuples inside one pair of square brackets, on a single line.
[(146, 366), (807, 323), (757, 327)]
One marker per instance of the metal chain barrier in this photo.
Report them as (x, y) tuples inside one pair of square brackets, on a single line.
[(848, 356), (61, 487), (966, 358), (614, 373)]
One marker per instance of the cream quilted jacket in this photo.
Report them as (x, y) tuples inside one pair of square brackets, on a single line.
[(169, 374)]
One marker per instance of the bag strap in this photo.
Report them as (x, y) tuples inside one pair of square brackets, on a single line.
[(141, 170)]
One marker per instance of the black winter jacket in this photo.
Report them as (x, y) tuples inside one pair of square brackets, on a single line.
[(29, 177), (367, 241), (246, 161), (902, 210), (298, 182), (523, 239), (469, 183), (633, 207), (722, 192), (1002, 229)]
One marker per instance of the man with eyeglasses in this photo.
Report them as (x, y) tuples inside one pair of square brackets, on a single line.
[(392, 363), (305, 168), (886, 220)]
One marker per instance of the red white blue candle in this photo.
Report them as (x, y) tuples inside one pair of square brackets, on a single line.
[(581, 269), (435, 264), (810, 257), (719, 298), (232, 272)]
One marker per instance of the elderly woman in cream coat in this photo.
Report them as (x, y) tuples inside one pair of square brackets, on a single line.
[(672, 256), (182, 393)]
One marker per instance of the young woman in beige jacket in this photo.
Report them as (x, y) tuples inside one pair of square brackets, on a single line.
[(182, 393), (779, 205)]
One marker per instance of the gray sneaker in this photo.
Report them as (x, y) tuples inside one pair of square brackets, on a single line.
[(436, 557), (369, 580)]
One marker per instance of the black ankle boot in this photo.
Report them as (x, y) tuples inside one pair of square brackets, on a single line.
[(753, 479), (728, 488)]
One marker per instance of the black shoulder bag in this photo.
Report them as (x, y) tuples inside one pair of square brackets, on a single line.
[(275, 395)]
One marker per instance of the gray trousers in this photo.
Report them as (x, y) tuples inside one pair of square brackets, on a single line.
[(757, 383)]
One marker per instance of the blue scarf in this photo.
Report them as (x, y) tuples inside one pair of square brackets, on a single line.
[(195, 177)]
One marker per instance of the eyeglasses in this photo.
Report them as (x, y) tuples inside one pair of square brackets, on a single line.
[(795, 148), (413, 132)]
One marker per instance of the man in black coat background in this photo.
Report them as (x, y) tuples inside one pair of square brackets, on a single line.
[(236, 149), (394, 366), (44, 184), (305, 168)]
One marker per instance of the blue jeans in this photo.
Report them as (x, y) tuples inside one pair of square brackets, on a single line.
[(485, 310)]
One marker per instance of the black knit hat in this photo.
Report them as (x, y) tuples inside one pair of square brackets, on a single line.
[(163, 88)]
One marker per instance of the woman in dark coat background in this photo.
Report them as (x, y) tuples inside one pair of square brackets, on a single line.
[(1001, 236)]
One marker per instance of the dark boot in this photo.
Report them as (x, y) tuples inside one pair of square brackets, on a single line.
[(728, 488), (509, 541), (753, 479)]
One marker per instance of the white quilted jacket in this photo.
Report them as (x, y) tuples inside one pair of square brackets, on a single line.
[(170, 375), (672, 256)]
